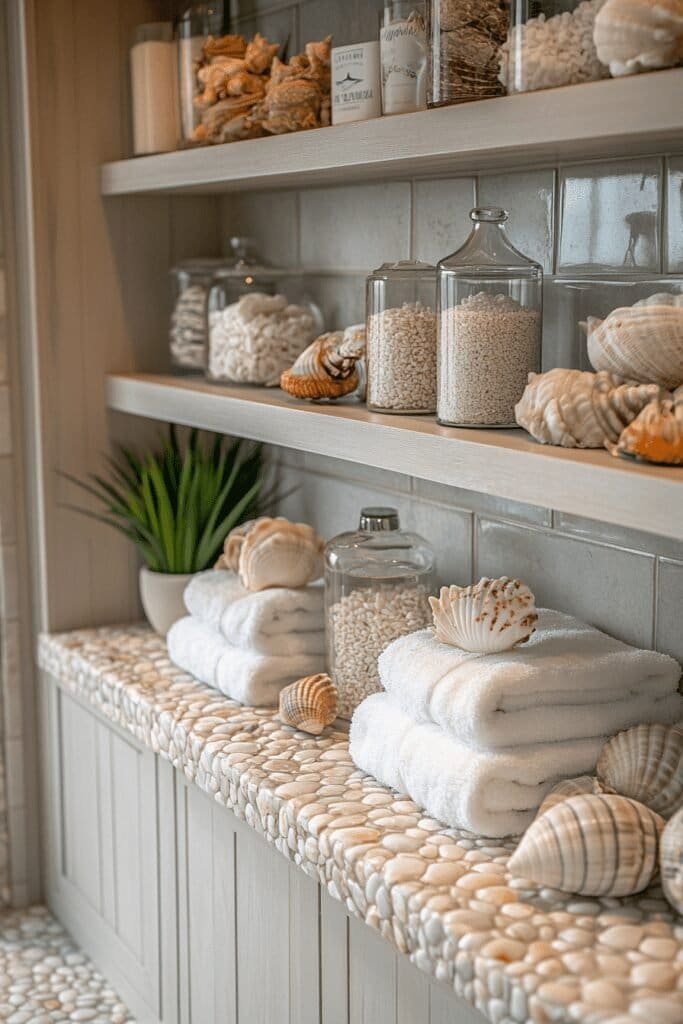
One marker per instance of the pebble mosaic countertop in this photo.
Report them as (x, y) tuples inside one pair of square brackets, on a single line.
[(445, 898)]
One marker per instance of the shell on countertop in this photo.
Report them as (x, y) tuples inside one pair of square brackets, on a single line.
[(230, 559), (655, 435), (645, 763), (642, 343), (577, 409), (328, 368), (569, 787), (278, 553), (639, 35), (671, 861), (487, 617), (591, 845), (309, 704)]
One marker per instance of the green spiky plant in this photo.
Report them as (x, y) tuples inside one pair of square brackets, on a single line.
[(178, 505)]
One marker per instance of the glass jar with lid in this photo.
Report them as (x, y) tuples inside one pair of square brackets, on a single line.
[(403, 56), (377, 583), (193, 28), (489, 297), (465, 37), (401, 337), (188, 335)]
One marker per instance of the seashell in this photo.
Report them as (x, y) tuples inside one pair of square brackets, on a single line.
[(591, 845), (655, 435), (639, 35), (671, 861), (230, 559), (645, 763), (327, 368), (569, 787), (487, 617), (576, 409), (643, 342), (277, 553), (309, 704)]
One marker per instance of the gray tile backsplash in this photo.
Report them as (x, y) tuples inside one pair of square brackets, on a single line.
[(441, 223), (673, 227), (529, 198), (669, 634)]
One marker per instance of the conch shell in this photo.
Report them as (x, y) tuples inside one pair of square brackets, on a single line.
[(645, 763), (277, 553), (591, 845), (639, 35), (671, 861), (655, 435), (309, 704), (569, 787), (576, 409), (230, 559), (485, 618), (328, 367), (643, 342)]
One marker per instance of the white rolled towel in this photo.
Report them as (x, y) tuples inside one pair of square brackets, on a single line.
[(280, 620), (489, 793), (248, 677), (567, 682)]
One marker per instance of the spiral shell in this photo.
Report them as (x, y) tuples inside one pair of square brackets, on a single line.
[(328, 367), (487, 617), (309, 704), (575, 409), (671, 861), (655, 435), (639, 35), (643, 342), (645, 763), (591, 845), (230, 559), (277, 553), (569, 787)]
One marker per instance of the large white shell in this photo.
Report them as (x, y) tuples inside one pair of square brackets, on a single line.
[(643, 342), (655, 435), (277, 553), (576, 409), (591, 845), (671, 861), (639, 35), (646, 764), (569, 787), (309, 704), (489, 616), (230, 559)]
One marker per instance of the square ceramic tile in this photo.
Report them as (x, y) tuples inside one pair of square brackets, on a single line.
[(610, 217), (270, 218), (528, 196), (333, 506), (278, 25), (355, 227), (341, 298), (482, 504), (669, 635), (342, 470), (348, 21), (5, 421), (7, 501), (619, 536), (449, 532), (673, 257), (441, 216)]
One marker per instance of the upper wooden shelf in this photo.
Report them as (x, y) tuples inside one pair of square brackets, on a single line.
[(639, 114), (504, 463)]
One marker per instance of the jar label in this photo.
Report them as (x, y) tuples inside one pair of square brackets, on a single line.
[(403, 48), (355, 83)]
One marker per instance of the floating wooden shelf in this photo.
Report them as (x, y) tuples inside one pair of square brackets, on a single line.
[(505, 463)]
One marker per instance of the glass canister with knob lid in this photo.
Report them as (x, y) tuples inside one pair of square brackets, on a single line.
[(378, 579), (188, 340), (489, 301)]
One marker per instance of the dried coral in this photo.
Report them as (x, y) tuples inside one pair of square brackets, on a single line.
[(232, 77), (298, 94)]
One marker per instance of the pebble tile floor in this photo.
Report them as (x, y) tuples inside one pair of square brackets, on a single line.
[(45, 978)]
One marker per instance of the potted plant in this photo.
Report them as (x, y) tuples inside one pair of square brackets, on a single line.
[(177, 505)]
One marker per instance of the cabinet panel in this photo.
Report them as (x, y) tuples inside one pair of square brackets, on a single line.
[(334, 960), (77, 751), (372, 976)]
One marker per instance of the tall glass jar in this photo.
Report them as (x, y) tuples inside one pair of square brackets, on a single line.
[(403, 56), (194, 26), (489, 297), (550, 43), (465, 37), (377, 583), (188, 335), (401, 338)]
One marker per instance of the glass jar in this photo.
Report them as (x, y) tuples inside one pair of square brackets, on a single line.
[(377, 583), (489, 298), (550, 43), (154, 92), (188, 335), (465, 37), (401, 338), (403, 56), (193, 28)]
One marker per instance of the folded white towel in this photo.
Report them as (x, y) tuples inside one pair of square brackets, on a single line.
[(279, 620), (568, 681), (490, 793), (246, 676)]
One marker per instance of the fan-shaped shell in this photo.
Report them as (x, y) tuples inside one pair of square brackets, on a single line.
[(591, 845), (489, 616), (639, 35), (671, 861), (277, 553), (327, 368), (569, 787), (309, 704), (576, 409), (230, 559), (646, 764), (643, 342), (655, 435)]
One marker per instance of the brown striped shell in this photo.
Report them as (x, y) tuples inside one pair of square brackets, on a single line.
[(569, 787), (671, 861), (327, 368), (655, 435), (309, 704), (645, 763)]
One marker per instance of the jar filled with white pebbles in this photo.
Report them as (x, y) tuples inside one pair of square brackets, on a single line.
[(188, 328), (401, 338), (490, 311), (377, 583)]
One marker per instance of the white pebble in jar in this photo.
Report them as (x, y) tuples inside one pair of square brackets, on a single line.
[(401, 346)]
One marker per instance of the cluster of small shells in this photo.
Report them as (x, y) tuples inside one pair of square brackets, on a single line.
[(329, 367), (471, 33), (485, 618), (187, 334), (270, 552), (402, 359)]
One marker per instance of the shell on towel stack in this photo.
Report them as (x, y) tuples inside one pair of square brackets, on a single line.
[(645, 763), (230, 559), (277, 553), (485, 618), (639, 35), (309, 704), (328, 368), (643, 342)]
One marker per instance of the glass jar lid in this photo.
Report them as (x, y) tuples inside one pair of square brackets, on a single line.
[(404, 267), (488, 248), (378, 519)]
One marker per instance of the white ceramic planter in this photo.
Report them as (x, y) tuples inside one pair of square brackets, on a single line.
[(161, 594)]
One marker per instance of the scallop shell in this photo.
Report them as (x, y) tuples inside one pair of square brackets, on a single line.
[(569, 787), (591, 845), (230, 559), (639, 35), (645, 763), (671, 861), (327, 368), (277, 553), (309, 704), (643, 342), (487, 617), (655, 435), (576, 409)]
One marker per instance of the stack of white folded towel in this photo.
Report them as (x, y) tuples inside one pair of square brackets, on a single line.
[(248, 644), (478, 740)]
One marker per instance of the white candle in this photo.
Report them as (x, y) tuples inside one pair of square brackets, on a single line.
[(155, 89)]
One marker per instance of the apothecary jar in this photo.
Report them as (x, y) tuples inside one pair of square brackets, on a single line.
[(489, 300), (188, 336), (465, 37)]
